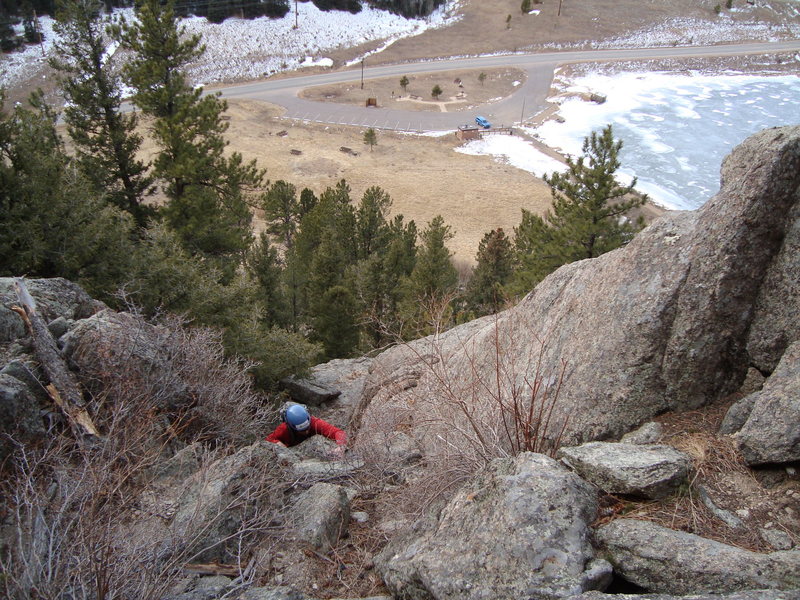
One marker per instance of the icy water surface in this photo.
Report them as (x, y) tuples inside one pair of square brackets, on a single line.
[(676, 129)]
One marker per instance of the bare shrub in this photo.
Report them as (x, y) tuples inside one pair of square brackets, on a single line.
[(102, 521), (181, 372), (84, 525), (474, 406)]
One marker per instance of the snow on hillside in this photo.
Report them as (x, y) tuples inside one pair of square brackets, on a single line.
[(694, 32), (242, 49), (246, 49)]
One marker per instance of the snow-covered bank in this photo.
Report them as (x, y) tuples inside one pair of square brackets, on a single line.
[(514, 151)]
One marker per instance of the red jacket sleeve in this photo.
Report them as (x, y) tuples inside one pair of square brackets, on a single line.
[(281, 434), (329, 431)]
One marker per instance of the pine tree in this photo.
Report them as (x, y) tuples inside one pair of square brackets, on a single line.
[(208, 193), (281, 211), (431, 282), (588, 218), (404, 82), (380, 276), (495, 265), (370, 138), (371, 227), (314, 268), (335, 322), (105, 139), (436, 92), (308, 200), (264, 266), (51, 223), (525, 7)]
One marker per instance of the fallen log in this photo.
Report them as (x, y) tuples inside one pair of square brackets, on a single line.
[(63, 389)]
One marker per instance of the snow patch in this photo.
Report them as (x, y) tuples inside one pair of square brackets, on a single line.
[(514, 151)]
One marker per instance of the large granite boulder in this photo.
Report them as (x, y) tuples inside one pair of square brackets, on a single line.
[(675, 562), (775, 324), (518, 530), (119, 344), (320, 515), (661, 324), (650, 471), (771, 433), (216, 501)]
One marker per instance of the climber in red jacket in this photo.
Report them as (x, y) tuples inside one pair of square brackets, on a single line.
[(298, 425)]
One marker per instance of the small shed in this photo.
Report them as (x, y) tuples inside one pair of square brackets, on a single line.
[(372, 102), (467, 132)]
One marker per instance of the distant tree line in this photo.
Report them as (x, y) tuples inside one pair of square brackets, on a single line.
[(331, 276)]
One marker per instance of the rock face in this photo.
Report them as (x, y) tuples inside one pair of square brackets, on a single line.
[(519, 530), (771, 433), (216, 500), (650, 471), (55, 298), (674, 562), (321, 514), (662, 324), (775, 323), (19, 414)]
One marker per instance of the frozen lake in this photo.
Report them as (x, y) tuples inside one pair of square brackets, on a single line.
[(676, 129)]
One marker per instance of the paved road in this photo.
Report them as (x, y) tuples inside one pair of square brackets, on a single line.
[(528, 100)]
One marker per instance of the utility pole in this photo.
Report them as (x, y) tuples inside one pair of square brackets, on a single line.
[(559, 8), (362, 73), (296, 25), (522, 116)]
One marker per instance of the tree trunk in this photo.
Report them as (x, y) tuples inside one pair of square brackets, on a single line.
[(63, 388)]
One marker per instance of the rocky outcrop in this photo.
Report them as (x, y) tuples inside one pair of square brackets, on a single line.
[(118, 342), (675, 562), (650, 471), (662, 324), (54, 298), (216, 500), (320, 515), (518, 530), (19, 414), (771, 433)]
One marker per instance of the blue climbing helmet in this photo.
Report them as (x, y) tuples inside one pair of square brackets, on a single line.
[(296, 416)]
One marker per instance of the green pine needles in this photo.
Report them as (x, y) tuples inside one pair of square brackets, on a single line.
[(590, 214)]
